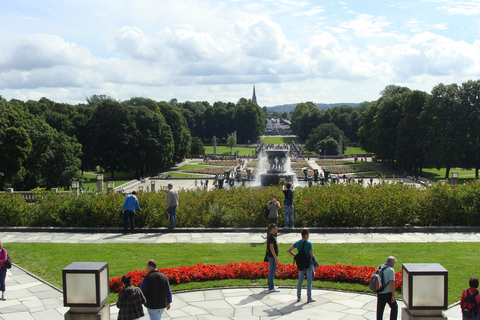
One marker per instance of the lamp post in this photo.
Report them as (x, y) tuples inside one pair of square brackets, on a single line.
[(424, 291), (85, 291)]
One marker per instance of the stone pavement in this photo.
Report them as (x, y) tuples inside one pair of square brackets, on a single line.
[(28, 297)]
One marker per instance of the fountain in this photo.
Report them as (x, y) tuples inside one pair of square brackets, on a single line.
[(279, 168)]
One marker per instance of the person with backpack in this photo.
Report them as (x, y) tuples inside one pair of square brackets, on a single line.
[(304, 264), (470, 301), (387, 295)]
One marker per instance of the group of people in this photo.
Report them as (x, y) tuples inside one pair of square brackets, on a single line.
[(301, 245), (131, 204), (274, 205), (154, 293)]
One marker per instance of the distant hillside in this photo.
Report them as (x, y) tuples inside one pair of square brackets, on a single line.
[(321, 106)]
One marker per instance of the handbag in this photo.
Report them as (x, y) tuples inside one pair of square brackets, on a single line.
[(8, 262), (266, 212), (315, 262)]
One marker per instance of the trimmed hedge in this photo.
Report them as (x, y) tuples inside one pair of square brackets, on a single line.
[(389, 205)]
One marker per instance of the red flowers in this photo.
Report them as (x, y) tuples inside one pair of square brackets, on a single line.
[(254, 270)]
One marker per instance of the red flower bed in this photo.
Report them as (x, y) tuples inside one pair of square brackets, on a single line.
[(254, 270)]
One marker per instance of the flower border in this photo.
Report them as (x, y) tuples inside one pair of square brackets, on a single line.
[(254, 270)]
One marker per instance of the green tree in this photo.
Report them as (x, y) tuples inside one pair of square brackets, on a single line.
[(321, 133), (470, 99), (305, 118), (196, 146), (179, 128), (410, 140), (445, 116), (328, 146), (231, 141)]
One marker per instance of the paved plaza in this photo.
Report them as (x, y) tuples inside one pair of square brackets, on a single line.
[(28, 297)]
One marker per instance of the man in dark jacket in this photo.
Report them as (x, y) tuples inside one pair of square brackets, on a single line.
[(156, 288)]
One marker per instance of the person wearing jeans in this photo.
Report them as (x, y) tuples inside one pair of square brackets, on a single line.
[(307, 248), (272, 254), (156, 288), (387, 295), (128, 208)]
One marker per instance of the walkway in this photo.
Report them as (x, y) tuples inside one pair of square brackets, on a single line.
[(30, 298)]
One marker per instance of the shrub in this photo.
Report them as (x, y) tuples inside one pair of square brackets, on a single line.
[(337, 205)]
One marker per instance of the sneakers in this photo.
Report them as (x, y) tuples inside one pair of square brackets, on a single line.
[(299, 299), (273, 290), (311, 300)]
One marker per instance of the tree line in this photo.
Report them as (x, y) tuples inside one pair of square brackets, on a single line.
[(321, 129), (415, 130), (47, 144)]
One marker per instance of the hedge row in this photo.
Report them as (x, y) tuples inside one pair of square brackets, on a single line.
[(337, 205)]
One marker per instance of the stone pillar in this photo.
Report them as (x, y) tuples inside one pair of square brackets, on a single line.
[(214, 147), (100, 182), (9, 190), (340, 147)]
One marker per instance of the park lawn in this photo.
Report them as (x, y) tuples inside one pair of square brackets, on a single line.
[(278, 140), (354, 150), (436, 175), (225, 151), (91, 182), (47, 260), (193, 166), (187, 175)]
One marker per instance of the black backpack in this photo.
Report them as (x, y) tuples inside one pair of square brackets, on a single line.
[(470, 306), (377, 282), (301, 259)]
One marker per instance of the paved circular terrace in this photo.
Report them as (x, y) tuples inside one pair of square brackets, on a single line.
[(30, 298)]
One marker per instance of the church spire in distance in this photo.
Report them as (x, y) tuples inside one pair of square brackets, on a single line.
[(254, 97)]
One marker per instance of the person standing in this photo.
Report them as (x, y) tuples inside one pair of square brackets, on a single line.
[(128, 208), (272, 255), (3, 269), (172, 203), (273, 207), (288, 190), (387, 295), (130, 301), (307, 248), (156, 288), (468, 313)]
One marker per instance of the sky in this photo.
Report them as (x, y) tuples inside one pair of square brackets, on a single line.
[(205, 50)]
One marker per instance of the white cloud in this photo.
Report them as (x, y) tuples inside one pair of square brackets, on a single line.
[(260, 37), (435, 55), (38, 51)]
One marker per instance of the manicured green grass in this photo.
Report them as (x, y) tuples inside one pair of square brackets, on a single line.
[(47, 260), (225, 151), (186, 175), (278, 140), (92, 181), (193, 166), (354, 150), (436, 175)]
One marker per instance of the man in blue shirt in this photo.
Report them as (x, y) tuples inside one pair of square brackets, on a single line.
[(387, 295), (128, 208)]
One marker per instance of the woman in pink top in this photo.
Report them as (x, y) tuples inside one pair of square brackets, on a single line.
[(3, 269)]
